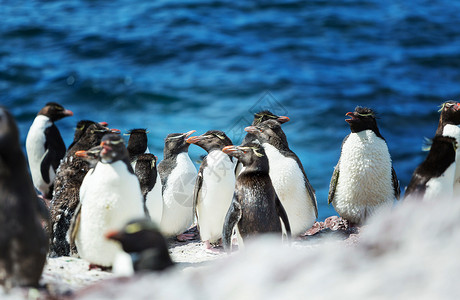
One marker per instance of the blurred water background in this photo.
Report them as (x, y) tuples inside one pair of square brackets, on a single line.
[(174, 66)]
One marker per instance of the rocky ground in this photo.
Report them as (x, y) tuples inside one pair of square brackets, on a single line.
[(70, 277)]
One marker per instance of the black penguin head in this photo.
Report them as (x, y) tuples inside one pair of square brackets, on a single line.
[(9, 133), (211, 140), (91, 156), (175, 143), (362, 118), (450, 114), (251, 155), (269, 132), (55, 111), (265, 115), (146, 171), (113, 148), (137, 142), (144, 238), (80, 129)]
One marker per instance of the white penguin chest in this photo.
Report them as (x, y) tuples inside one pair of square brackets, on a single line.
[(454, 132), (35, 147), (365, 169)]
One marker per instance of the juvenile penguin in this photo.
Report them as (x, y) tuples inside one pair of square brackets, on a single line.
[(214, 185), (137, 144), (255, 207), (110, 197), (364, 179), (259, 117), (45, 147), (146, 171), (147, 247), (288, 176), (178, 176), (23, 242), (434, 177), (67, 184)]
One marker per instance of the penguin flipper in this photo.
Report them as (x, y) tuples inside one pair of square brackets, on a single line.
[(197, 190), (231, 219), (308, 186), (396, 186), (74, 226), (333, 184), (283, 215), (55, 146)]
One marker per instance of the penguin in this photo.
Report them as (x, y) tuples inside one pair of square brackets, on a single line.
[(147, 247), (110, 196), (178, 175), (45, 147), (448, 121), (91, 156), (364, 179), (80, 130), (137, 144), (434, 177), (146, 171), (288, 176), (214, 185), (67, 184), (255, 206), (259, 117), (23, 241)]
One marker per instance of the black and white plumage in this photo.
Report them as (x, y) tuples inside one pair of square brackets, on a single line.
[(137, 144), (434, 177), (448, 121), (214, 185), (255, 206), (110, 196), (288, 176), (23, 242), (178, 175), (363, 180), (45, 147), (147, 247), (67, 184), (146, 171)]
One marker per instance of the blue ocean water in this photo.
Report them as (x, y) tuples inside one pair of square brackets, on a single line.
[(174, 66)]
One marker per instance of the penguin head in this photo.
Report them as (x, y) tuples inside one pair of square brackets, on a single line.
[(250, 154), (450, 114), (137, 142), (91, 156), (55, 111), (211, 140), (269, 131), (81, 128), (362, 118), (113, 148), (265, 115), (175, 143)]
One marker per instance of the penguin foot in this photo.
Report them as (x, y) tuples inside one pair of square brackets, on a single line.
[(98, 267), (214, 249), (183, 237)]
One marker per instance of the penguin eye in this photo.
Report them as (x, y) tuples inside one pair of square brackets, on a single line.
[(133, 228)]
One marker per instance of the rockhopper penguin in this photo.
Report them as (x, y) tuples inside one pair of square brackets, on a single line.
[(255, 207), (214, 185), (288, 176), (45, 147), (137, 144), (146, 171), (178, 176), (363, 180), (23, 242), (110, 197), (67, 184)]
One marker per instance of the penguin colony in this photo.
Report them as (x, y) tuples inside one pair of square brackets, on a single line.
[(104, 201)]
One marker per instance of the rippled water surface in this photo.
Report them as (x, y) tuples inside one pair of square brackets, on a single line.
[(173, 66)]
